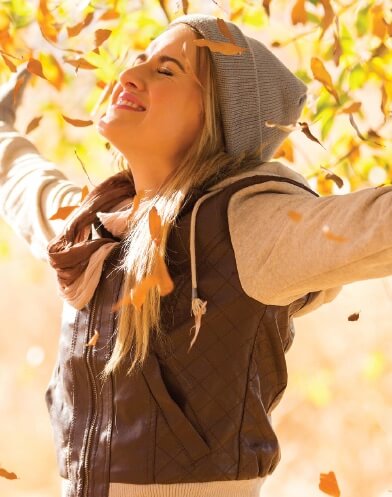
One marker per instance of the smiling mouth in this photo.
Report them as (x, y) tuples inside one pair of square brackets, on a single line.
[(127, 107)]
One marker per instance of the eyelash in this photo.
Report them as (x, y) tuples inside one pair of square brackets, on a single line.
[(168, 73)]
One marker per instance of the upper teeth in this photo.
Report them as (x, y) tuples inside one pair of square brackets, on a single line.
[(129, 104)]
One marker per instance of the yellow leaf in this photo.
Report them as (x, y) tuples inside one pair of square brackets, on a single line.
[(321, 74), (80, 63), (11, 66), (328, 484), (285, 150)]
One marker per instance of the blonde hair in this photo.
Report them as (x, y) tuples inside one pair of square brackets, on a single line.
[(135, 326)]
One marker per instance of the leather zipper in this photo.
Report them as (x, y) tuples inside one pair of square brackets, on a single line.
[(94, 404)]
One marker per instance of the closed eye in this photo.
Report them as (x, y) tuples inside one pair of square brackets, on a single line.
[(165, 71)]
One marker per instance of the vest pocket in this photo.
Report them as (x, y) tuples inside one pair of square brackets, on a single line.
[(194, 445)]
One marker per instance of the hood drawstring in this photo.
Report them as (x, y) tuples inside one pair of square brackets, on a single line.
[(198, 306)]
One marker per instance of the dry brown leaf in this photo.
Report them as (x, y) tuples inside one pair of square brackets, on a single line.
[(6, 474), (353, 317), (154, 222), (93, 340), (355, 126), (220, 47), (328, 484), (35, 67), (185, 6), (63, 212), (100, 36), (332, 236), (11, 66), (33, 124), (305, 129), (334, 177), (77, 122), (77, 28), (294, 215), (328, 17), (321, 74), (266, 5), (298, 13), (224, 29)]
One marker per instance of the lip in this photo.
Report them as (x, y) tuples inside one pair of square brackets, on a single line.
[(119, 106), (131, 98)]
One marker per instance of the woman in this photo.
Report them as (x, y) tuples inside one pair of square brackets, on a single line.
[(139, 406)]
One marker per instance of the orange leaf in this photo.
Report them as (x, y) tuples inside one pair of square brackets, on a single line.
[(298, 13), (328, 484), (155, 226), (139, 291), (63, 212), (109, 14), (46, 22), (353, 107), (334, 177), (35, 67), (220, 46), (331, 236), (93, 340), (224, 29), (11, 66), (353, 317), (321, 74), (84, 193), (77, 122), (123, 301), (101, 35), (285, 150), (77, 28), (80, 63), (33, 124), (295, 216), (5, 474), (161, 273)]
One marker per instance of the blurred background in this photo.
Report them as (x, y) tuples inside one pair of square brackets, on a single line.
[(337, 410)]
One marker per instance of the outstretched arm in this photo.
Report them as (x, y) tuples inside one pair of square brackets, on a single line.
[(31, 188), (280, 260)]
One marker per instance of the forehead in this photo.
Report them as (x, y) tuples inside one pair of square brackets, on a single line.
[(172, 41)]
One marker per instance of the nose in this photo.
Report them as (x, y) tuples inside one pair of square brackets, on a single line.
[(131, 78)]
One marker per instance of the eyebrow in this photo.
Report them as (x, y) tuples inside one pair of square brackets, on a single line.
[(162, 58)]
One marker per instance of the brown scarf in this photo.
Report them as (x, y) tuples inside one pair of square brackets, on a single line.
[(74, 254)]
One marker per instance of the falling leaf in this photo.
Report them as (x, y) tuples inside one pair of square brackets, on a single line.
[(224, 29), (379, 25), (77, 122), (154, 221), (334, 177), (123, 301), (101, 35), (80, 63), (35, 67), (298, 13), (331, 236), (321, 74), (353, 317), (84, 193), (109, 15), (285, 150), (294, 215), (328, 484), (63, 212), (266, 5), (46, 22), (33, 124), (305, 129), (220, 46), (93, 340), (139, 291), (77, 28), (162, 277), (354, 125), (5, 474), (353, 107), (328, 17), (11, 66), (185, 6), (287, 128)]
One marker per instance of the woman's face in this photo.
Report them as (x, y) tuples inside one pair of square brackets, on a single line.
[(170, 95)]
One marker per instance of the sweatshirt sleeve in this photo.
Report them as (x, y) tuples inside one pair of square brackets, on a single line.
[(31, 191), (280, 260)]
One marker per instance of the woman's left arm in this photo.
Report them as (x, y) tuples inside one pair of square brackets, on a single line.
[(335, 240)]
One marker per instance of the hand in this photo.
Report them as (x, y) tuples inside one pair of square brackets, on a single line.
[(7, 106)]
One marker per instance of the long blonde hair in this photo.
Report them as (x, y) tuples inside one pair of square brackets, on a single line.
[(135, 326)]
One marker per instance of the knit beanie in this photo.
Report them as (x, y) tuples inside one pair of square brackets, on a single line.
[(253, 87)]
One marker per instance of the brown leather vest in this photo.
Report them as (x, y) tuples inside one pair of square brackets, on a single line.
[(186, 417)]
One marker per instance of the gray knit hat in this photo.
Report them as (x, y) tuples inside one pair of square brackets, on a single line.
[(253, 87)]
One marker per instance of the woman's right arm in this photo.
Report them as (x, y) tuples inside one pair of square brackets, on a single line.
[(31, 190)]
